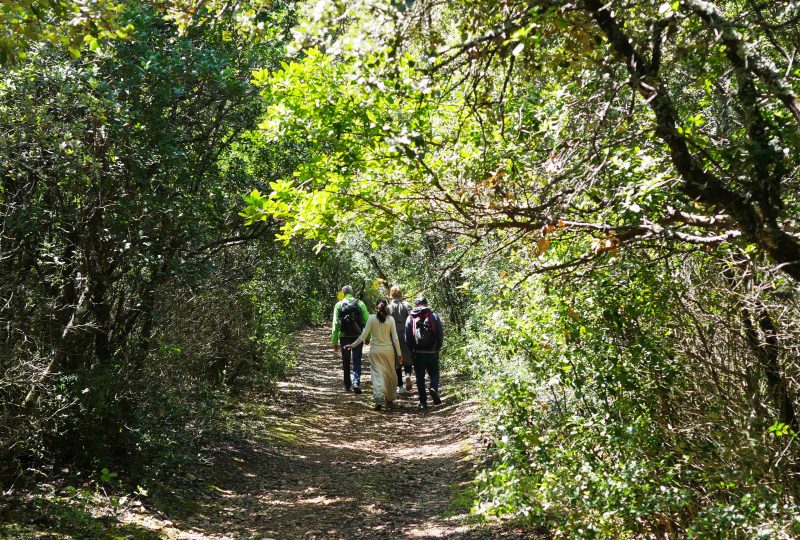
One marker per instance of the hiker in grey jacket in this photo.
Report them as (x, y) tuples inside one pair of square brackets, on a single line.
[(399, 310)]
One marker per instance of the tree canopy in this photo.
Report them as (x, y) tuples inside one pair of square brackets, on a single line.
[(611, 190), (657, 122), (601, 198)]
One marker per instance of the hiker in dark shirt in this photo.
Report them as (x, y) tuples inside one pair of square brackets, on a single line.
[(399, 310), (425, 337)]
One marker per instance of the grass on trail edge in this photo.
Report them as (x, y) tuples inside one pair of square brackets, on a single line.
[(307, 461)]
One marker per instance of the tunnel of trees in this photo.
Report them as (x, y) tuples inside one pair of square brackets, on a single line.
[(602, 198)]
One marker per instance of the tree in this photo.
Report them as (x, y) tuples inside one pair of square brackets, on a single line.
[(118, 195), (71, 24), (616, 182), (692, 147)]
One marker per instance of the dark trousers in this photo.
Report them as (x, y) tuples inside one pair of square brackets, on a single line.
[(426, 362), (355, 354), (400, 371)]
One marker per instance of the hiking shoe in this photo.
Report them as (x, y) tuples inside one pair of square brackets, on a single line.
[(401, 390), (389, 404), (409, 384), (422, 406), (435, 397), (346, 388), (378, 406), (357, 389)]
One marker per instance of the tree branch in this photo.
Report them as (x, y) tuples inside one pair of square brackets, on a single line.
[(747, 55), (697, 183)]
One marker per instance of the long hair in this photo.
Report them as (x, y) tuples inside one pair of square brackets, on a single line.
[(381, 309)]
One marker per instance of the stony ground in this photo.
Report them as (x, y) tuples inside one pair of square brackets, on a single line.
[(315, 462)]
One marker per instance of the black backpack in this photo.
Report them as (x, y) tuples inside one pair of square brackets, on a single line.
[(350, 318), (424, 333)]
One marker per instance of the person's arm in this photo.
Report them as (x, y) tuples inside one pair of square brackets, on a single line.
[(395, 338), (409, 331), (364, 333), (335, 327), (401, 323), (365, 313)]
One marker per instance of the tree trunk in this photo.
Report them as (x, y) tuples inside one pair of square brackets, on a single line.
[(766, 349)]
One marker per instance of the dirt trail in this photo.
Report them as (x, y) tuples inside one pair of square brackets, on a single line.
[(318, 462)]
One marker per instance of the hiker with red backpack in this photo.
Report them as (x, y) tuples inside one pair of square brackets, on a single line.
[(425, 337), (349, 319)]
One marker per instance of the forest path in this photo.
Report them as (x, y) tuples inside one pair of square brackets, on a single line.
[(315, 461)]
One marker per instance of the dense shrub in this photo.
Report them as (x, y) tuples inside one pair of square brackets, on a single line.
[(609, 419), (134, 300)]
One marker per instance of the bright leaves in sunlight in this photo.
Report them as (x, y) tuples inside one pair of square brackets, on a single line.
[(72, 24), (640, 155)]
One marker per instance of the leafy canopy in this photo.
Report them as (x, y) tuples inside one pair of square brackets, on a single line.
[(659, 122)]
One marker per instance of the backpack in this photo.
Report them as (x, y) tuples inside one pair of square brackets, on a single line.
[(425, 333), (398, 311), (351, 318)]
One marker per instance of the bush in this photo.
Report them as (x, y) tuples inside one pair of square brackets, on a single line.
[(605, 426)]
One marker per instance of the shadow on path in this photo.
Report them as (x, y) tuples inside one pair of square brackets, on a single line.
[(319, 462)]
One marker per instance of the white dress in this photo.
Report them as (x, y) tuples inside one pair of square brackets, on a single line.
[(383, 349)]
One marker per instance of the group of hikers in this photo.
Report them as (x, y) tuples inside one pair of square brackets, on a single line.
[(402, 340)]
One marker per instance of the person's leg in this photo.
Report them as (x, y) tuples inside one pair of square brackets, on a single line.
[(345, 361), (399, 374), (357, 351), (433, 371), (419, 370), (407, 363), (377, 382), (408, 383), (387, 367)]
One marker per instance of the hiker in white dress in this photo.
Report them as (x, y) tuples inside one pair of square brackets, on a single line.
[(384, 353)]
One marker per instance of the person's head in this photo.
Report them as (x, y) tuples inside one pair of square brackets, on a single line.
[(382, 309), (347, 289), (395, 292), (421, 302)]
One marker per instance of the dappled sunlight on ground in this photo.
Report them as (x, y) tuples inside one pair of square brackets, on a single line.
[(315, 461)]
